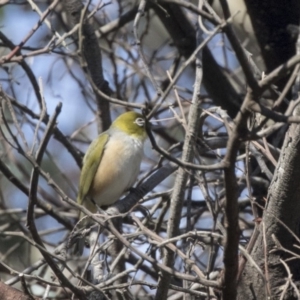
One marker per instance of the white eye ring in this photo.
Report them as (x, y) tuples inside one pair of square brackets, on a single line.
[(140, 122)]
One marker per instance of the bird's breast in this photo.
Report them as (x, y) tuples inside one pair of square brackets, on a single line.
[(118, 169)]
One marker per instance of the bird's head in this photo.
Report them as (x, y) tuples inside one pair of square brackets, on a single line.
[(131, 123)]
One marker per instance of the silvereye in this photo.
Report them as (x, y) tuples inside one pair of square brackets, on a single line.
[(112, 162)]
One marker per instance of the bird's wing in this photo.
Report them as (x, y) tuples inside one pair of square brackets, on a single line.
[(91, 162)]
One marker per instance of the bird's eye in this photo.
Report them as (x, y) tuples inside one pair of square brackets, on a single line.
[(140, 122)]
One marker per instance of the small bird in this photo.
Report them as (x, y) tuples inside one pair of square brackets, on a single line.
[(112, 162)]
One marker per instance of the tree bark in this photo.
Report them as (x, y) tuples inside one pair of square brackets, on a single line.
[(9, 293), (280, 219)]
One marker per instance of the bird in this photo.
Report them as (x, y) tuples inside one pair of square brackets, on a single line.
[(112, 162)]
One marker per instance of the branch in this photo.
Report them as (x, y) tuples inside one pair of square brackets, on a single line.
[(129, 201), (92, 54), (182, 176), (32, 201), (9, 293)]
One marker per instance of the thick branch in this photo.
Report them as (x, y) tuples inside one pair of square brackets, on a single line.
[(93, 57)]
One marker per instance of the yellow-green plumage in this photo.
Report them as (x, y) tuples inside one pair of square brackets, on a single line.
[(90, 165), (112, 162)]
